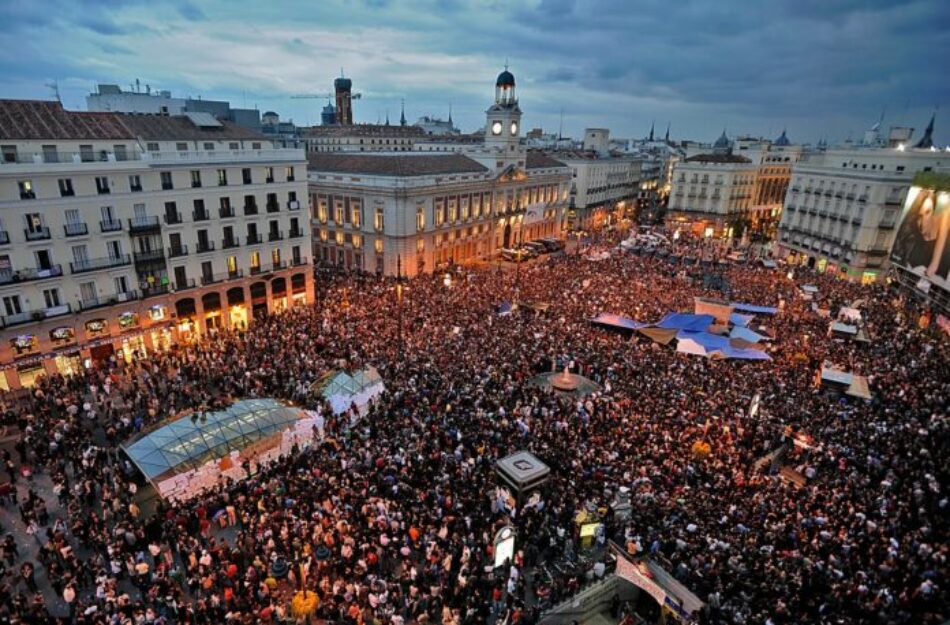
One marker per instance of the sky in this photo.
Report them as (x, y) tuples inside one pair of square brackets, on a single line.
[(820, 68)]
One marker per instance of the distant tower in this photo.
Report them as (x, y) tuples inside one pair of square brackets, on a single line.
[(927, 141), (722, 145), (328, 115), (451, 126), (667, 137), (387, 117), (344, 100), (652, 126), (402, 113)]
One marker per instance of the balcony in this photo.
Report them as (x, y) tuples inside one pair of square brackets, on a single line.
[(295, 234), (36, 315), (9, 276), (253, 239), (184, 285), (221, 277), (112, 225), (250, 209), (38, 234), (149, 256), (173, 218), (111, 300), (226, 213), (255, 270), (275, 235), (144, 225), (76, 230), (95, 264), (293, 205), (281, 264), (229, 243), (224, 156), (155, 290), (205, 247), (175, 252), (298, 262), (4, 237), (863, 199), (200, 215), (273, 207)]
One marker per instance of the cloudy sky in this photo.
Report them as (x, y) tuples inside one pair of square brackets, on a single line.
[(821, 68)]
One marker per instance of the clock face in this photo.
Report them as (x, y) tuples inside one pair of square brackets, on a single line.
[(496, 128), (514, 128)]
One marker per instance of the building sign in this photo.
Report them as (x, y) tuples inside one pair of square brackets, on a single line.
[(157, 312), (95, 327), (24, 343), (128, 320), (62, 334), (921, 245)]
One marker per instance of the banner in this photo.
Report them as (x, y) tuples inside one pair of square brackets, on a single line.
[(719, 310), (534, 213), (633, 574), (921, 245)]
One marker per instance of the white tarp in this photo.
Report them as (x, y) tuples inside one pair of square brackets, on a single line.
[(690, 346), (345, 390)]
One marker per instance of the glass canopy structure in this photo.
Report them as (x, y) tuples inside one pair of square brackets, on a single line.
[(189, 442)]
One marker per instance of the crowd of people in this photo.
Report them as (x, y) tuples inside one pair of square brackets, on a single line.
[(391, 518)]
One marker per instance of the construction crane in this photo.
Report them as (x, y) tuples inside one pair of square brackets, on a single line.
[(328, 96)]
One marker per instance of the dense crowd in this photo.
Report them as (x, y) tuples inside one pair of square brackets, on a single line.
[(391, 519)]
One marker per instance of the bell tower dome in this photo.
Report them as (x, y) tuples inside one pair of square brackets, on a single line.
[(503, 118)]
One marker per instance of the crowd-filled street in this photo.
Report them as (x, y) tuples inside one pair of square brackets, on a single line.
[(392, 519)]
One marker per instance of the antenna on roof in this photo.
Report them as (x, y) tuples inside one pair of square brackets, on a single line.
[(560, 127), (54, 87)]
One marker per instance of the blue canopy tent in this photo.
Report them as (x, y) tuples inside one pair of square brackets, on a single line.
[(503, 309), (686, 321), (616, 322), (740, 332), (713, 345), (738, 319)]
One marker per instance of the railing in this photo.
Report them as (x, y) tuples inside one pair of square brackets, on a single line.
[(143, 224), (295, 234), (200, 215), (275, 235), (181, 250), (184, 285), (226, 213), (221, 277), (250, 209), (156, 289), (8, 276), (99, 302), (206, 246), (76, 230), (149, 256), (95, 264), (281, 264), (293, 205), (39, 234), (224, 156), (256, 270), (297, 262), (273, 207), (35, 315), (862, 198), (110, 226), (253, 239), (229, 243), (173, 218)]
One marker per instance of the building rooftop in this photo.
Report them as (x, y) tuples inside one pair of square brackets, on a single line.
[(364, 130), (400, 164), (26, 120), (718, 158), (168, 128), (540, 160)]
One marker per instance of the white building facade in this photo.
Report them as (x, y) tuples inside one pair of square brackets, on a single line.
[(843, 207), (124, 234)]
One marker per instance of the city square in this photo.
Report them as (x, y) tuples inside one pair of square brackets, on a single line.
[(259, 371)]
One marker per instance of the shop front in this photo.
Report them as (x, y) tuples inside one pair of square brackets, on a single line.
[(186, 314), (237, 310), (211, 302), (259, 299), (279, 294), (298, 289)]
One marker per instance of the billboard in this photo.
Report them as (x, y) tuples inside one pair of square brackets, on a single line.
[(921, 245)]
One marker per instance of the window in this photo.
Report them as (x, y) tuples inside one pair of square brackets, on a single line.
[(234, 145), (256, 145), (80, 255), (269, 177), (275, 256), (11, 304), (209, 147), (85, 154), (152, 146), (356, 214), (9, 153), (246, 175), (289, 173), (420, 218), (222, 177), (26, 190), (420, 245), (338, 211), (322, 210), (51, 297), (195, 179), (135, 183), (378, 222), (181, 147), (232, 265), (88, 293), (120, 153), (339, 237), (439, 215), (167, 180), (114, 248), (174, 242), (200, 213), (207, 272), (255, 260), (181, 278), (121, 284), (171, 213), (357, 241), (378, 246)]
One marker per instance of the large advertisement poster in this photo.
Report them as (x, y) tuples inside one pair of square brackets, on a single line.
[(921, 244)]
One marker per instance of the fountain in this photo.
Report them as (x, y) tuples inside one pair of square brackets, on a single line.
[(566, 382)]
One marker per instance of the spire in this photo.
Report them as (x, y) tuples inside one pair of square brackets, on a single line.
[(667, 137), (387, 117), (450, 104), (402, 112), (927, 141), (652, 126)]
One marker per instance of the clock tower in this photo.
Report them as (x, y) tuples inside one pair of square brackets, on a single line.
[(503, 118)]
